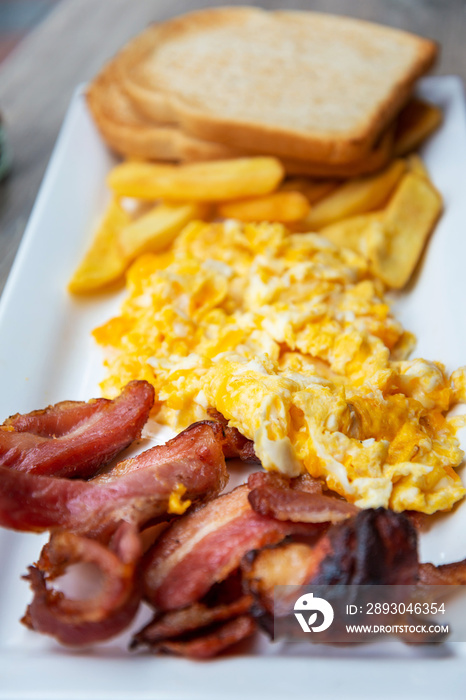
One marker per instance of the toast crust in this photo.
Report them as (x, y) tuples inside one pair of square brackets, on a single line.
[(150, 79), (375, 160)]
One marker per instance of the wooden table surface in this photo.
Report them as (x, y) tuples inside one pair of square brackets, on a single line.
[(38, 79)]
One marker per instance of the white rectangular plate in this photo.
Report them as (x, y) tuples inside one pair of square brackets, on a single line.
[(47, 355)]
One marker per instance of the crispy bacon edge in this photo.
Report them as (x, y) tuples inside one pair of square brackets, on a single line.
[(198, 631), (74, 438), (453, 574), (108, 612), (193, 618), (373, 547), (285, 499), (235, 444), (212, 642)]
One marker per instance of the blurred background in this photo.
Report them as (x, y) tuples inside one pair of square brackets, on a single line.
[(441, 19), (17, 18), (49, 47)]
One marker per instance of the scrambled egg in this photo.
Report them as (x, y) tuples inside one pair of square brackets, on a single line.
[(291, 339)]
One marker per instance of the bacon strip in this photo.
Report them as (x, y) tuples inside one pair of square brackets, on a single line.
[(298, 506), (193, 618), (94, 619), (75, 439), (305, 482), (444, 575), (235, 445), (212, 643), (136, 490), (284, 500), (373, 547), (205, 546)]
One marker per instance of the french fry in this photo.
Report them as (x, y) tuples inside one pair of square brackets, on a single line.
[(407, 222), (416, 165), (393, 238), (284, 207), (415, 123), (213, 181), (155, 230), (313, 190), (353, 232), (356, 196), (105, 261)]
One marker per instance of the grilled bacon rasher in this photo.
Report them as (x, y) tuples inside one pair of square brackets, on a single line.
[(209, 576)]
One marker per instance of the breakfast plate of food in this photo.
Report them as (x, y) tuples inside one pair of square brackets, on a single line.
[(244, 346)]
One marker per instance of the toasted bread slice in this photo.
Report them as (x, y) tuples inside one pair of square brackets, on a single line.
[(302, 85), (129, 133), (168, 143), (132, 134)]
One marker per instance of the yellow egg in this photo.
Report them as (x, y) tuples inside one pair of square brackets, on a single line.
[(293, 341)]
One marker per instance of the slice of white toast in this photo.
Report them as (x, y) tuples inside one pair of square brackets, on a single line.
[(303, 85), (129, 133)]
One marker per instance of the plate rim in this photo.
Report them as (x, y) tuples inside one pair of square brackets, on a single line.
[(238, 672)]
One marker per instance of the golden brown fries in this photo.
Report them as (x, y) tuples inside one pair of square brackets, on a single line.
[(284, 207), (213, 181), (393, 238), (415, 165), (353, 232), (313, 190), (386, 218), (407, 223), (155, 230), (356, 196), (105, 261)]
